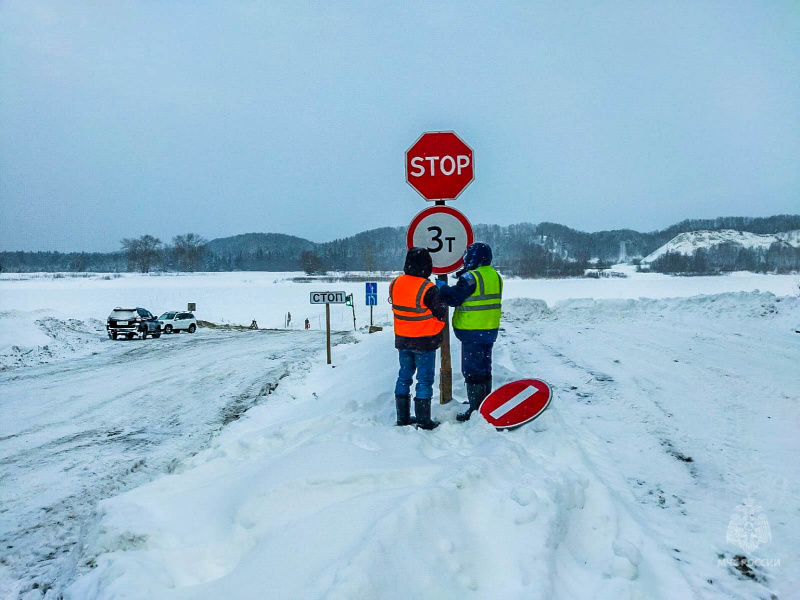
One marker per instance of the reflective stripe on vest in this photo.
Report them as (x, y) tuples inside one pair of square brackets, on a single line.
[(482, 309), (411, 317)]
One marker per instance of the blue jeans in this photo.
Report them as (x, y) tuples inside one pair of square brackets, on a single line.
[(421, 362), (476, 362)]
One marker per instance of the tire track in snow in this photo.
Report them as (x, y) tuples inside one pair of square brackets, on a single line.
[(638, 446), (84, 430)]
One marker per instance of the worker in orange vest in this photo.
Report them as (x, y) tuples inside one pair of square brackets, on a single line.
[(419, 315)]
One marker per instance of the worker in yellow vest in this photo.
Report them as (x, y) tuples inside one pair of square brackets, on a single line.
[(419, 315), (476, 297)]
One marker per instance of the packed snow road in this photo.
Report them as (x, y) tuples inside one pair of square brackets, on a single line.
[(77, 431)]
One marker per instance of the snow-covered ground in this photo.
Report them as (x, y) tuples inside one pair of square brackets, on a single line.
[(669, 412)]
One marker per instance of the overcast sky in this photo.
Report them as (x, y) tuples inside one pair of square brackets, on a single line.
[(124, 118)]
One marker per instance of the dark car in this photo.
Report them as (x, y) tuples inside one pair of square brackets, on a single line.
[(129, 322)]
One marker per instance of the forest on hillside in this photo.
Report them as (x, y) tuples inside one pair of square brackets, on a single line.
[(524, 249)]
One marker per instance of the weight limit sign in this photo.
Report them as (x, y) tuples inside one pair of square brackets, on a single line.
[(445, 232)]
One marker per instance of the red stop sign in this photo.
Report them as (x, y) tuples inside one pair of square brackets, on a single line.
[(439, 165)]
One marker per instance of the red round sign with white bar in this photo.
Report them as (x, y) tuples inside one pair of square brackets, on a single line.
[(516, 403), (445, 232)]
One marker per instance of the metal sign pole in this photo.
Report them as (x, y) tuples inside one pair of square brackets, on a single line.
[(446, 370), (328, 329)]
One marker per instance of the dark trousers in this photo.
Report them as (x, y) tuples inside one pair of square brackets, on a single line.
[(421, 362), (476, 362)]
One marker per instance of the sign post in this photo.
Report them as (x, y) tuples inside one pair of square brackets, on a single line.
[(446, 368), (328, 330), (371, 299), (446, 233), (328, 298), (439, 165), (351, 304)]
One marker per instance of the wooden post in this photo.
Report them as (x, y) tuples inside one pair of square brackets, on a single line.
[(446, 369), (328, 329)]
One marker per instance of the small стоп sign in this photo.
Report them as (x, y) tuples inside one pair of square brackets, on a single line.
[(328, 297)]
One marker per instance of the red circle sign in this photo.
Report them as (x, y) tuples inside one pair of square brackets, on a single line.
[(445, 232), (516, 403), (439, 165)]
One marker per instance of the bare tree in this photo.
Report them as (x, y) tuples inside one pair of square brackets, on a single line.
[(188, 250), (368, 253), (141, 252), (310, 262)]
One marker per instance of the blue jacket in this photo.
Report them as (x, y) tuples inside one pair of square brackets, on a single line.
[(455, 296)]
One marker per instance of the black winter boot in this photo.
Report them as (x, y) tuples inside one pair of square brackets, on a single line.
[(403, 405), (422, 414), (476, 392)]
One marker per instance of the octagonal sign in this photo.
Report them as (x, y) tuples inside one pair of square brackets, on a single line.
[(439, 165)]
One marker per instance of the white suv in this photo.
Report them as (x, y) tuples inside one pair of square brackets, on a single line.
[(177, 321)]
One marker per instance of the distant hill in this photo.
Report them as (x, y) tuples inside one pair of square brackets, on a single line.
[(709, 252), (689, 243), (543, 249), (256, 252)]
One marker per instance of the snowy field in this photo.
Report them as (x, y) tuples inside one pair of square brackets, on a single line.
[(236, 464)]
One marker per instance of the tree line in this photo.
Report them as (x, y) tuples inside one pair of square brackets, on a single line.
[(525, 249), (147, 252)]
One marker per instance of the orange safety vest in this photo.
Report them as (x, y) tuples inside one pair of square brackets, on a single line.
[(411, 317)]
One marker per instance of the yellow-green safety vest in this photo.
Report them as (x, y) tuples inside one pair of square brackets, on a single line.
[(482, 309)]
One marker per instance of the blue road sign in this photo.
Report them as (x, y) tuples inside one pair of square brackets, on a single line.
[(372, 294)]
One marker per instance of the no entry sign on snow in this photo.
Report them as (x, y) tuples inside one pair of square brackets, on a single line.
[(445, 232), (439, 165), (516, 403)]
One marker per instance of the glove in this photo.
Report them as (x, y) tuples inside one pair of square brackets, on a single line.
[(440, 284)]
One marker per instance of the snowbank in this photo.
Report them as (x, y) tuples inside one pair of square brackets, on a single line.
[(317, 495), (36, 337), (621, 489), (730, 306)]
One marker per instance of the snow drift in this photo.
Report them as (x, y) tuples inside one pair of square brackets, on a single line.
[(37, 337), (621, 489)]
